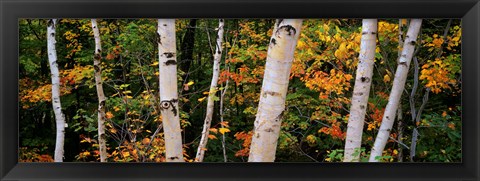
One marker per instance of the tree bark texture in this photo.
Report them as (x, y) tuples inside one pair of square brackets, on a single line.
[(211, 95), (274, 90), (397, 89), (97, 59), (168, 90), (57, 106), (361, 91)]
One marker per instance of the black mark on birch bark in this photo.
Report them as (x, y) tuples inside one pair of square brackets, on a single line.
[(173, 158), (359, 93), (158, 39), (171, 62), (288, 28), (169, 103), (270, 93), (279, 21), (365, 79), (97, 68), (273, 41), (97, 56), (50, 23), (169, 54)]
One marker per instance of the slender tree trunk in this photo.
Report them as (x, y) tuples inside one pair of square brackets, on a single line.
[(274, 90), (213, 89), (397, 89), (361, 91), (168, 90), (57, 106), (97, 58)]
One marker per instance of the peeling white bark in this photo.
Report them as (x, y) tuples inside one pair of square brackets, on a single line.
[(397, 89), (213, 86), (57, 106), (168, 90), (274, 90), (361, 91), (97, 58)]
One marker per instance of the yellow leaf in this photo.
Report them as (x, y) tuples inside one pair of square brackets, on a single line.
[(395, 152), (190, 83), (125, 154), (113, 130), (223, 130), (386, 78), (154, 64), (201, 99)]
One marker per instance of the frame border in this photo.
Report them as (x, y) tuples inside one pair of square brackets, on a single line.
[(11, 11)]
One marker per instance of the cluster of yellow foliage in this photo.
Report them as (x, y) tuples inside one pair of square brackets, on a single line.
[(436, 74)]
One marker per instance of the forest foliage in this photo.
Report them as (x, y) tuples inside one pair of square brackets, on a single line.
[(317, 104)]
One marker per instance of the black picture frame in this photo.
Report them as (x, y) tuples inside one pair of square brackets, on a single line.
[(11, 11)]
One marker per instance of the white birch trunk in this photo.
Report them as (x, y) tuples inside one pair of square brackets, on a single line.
[(168, 90), (397, 89), (97, 58), (57, 106), (213, 86), (274, 90), (361, 91)]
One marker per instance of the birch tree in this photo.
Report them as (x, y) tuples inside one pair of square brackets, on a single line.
[(211, 95), (274, 90), (168, 90), (361, 90), (97, 58), (397, 90), (56, 103)]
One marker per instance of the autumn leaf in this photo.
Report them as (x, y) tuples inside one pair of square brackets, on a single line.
[(386, 78), (201, 99), (224, 123), (145, 141), (223, 130), (214, 130), (109, 115), (186, 86), (110, 56), (212, 137), (154, 64)]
